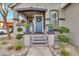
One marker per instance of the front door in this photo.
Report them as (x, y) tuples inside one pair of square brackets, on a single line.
[(38, 24)]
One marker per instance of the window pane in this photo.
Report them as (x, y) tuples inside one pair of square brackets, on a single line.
[(54, 18)]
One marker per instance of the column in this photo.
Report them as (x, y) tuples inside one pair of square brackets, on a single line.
[(15, 19)]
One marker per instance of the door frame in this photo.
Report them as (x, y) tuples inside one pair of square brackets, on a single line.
[(34, 22)]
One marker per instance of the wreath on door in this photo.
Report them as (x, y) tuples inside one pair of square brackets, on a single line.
[(38, 20)]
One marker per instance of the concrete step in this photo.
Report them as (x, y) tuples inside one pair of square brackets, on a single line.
[(39, 39)]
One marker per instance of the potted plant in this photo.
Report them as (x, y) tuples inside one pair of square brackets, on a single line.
[(18, 36), (27, 26), (19, 29), (51, 27)]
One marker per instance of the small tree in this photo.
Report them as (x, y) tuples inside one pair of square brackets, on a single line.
[(63, 39), (4, 8)]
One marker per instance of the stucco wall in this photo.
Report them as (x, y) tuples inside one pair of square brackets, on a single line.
[(72, 22), (48, 6)]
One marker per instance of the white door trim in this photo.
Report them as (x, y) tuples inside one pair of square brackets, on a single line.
[(34, 22)]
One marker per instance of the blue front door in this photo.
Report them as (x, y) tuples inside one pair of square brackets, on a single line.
[(38, 24)]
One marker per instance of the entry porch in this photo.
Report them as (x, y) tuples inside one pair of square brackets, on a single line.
[(36, 32)]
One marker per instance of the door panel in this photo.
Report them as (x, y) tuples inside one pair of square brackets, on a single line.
[(38, 24)]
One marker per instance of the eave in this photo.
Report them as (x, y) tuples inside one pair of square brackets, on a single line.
[(63, 5)]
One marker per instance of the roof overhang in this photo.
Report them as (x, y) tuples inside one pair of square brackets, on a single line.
[(63, 5), (13, 4), (31, 9)]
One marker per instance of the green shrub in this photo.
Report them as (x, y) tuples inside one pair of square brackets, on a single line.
[(63, 38), (50, 26), (27, 25), (19, 29), (18, 36), (62, 45), (77, 49), (65, 53), (17, 46), (22, 21), (63, 30)]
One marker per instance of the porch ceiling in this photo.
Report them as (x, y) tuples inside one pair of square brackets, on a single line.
[(30, 13)]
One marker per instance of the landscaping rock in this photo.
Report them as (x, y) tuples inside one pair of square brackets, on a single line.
[(54, 51), (8, 47), (21, 53), (56, 47)]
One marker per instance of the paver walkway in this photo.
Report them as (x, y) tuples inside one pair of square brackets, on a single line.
[(39, 51)]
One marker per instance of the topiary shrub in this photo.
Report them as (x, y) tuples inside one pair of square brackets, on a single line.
[(50, 26), (63, 29), (27, 26), (18, 36), (63, 38), (17, 46), (19, 29)]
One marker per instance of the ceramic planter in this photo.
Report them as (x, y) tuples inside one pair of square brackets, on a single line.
[(27, 30), (50, 30)]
